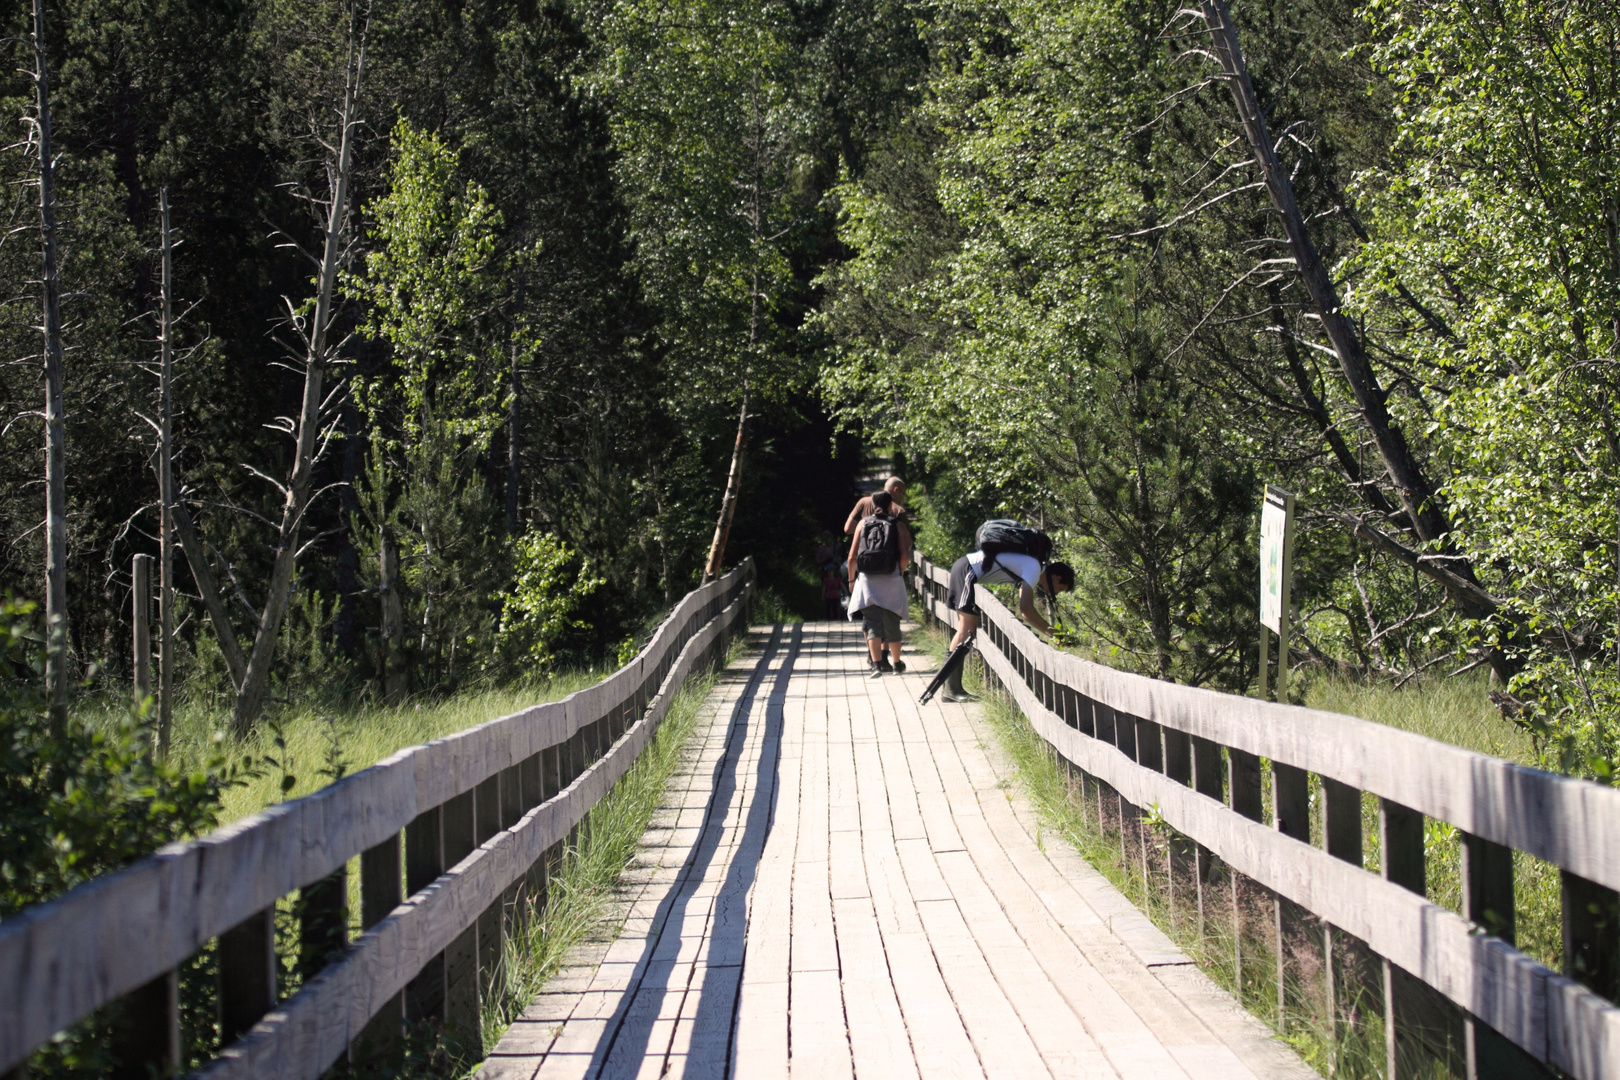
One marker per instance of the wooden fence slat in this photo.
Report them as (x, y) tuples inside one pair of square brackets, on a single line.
[(337, 1003), (1502, 986)]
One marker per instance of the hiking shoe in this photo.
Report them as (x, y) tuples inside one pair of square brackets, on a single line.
[(877, 670), (885, 665), (899, 667)]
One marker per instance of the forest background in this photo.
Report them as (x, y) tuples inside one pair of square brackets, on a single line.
[(590, 248)]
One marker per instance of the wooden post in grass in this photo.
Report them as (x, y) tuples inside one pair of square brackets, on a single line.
[(140, 617)]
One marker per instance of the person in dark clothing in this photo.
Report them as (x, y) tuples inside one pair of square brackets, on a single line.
[(880, 598)]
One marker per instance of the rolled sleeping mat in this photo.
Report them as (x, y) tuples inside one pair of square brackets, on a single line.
[(953, 660)]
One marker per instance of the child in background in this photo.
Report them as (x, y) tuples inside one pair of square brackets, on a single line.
[(832, 592)]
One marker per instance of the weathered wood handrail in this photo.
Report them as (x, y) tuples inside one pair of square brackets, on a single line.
[(482, 813), (1158, 744)]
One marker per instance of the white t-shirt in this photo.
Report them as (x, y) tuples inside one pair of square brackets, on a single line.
[(1008, 569)]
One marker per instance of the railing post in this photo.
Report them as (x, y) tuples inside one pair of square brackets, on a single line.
[(1488, 902), (1591, 925), (531, 793), (1246, 798), (1291, 816), (1178, 756), (247, 974), (1417, 1021), (424, 862), (146, 1030), (487, 813), (1208, 780), (380, 893), (1341, 838), (461, 1015), (323, 921)]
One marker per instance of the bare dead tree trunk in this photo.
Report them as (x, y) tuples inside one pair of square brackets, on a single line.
[(1424, 512), (165, 467), (308, 444), (208, 586), (728, 504), (56, 608)]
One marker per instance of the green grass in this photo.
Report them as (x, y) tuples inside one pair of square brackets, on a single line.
[(1456, 711), (320, 741)]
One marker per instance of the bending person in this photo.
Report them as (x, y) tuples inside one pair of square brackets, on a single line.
[(1006, 568)]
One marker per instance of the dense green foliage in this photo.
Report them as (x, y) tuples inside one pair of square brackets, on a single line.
[(86, 798), (1024, 243), (549, 305), (1069, 295)]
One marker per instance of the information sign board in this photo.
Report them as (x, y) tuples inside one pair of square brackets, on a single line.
[(1273, 557)]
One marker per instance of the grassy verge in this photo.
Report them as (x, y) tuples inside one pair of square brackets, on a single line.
[(314, 743)]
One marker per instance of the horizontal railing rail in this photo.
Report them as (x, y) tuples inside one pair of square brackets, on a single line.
[(447, 834), (1195, 756)]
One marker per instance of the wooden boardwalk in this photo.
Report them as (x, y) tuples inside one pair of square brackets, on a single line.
[(845, 883)]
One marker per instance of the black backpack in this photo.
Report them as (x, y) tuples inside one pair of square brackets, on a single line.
[(1001, 536), (878, 550)]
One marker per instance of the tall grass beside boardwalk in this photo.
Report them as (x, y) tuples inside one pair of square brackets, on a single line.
[(315, 743), (576, 899), (1456, 711)]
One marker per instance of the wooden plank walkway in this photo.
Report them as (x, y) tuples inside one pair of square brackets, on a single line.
[(844, 883)]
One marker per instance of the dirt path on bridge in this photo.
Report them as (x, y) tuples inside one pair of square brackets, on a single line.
[(843, 883)]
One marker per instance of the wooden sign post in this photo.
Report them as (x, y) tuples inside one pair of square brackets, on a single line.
[(1276, 572)]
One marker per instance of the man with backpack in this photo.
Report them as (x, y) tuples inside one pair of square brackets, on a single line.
[(896, 488), (880, 550), (1009, 554)]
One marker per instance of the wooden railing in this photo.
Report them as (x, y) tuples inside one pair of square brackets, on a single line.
[(1198, 758), (448, 834)]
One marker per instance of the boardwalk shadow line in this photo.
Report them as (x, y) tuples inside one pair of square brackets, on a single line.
[(658, 975)]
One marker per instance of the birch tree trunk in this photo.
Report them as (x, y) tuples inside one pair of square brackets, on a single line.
[(728, 504), (755, 212), (56, 609), (165, 466), (296, 494)]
